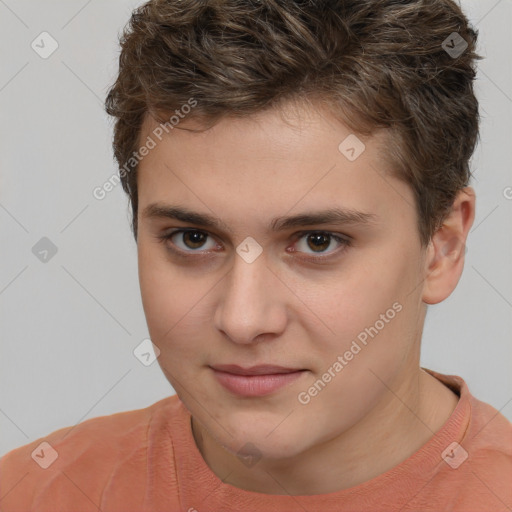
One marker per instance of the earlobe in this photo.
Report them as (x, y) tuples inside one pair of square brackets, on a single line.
[(446, 251)]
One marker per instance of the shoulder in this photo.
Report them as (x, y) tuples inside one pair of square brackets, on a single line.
[(485, 454), (486, 461), (475, 463), (75, 464), (487, 429), (489, 437)]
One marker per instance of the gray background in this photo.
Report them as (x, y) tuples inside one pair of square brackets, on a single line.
[(69, 326)]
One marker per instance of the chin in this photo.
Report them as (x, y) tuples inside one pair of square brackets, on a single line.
[(260, 440)]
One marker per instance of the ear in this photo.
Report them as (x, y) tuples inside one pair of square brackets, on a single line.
[(446, 251)]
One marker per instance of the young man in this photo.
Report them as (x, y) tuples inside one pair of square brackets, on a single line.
[(298, 172)]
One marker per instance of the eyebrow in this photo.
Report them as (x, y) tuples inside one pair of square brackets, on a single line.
[(329, 216)]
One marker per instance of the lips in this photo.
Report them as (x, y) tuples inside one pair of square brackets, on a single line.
[(255, 381), (262, 369)]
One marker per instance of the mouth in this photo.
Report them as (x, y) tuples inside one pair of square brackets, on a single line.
[(255, 381)]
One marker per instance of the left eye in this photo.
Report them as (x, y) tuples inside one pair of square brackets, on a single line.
[(319, 241)]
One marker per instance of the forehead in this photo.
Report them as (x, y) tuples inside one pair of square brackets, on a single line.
[(270, 163), (291, 131)]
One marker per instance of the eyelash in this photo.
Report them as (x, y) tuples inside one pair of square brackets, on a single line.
[(344, 242)]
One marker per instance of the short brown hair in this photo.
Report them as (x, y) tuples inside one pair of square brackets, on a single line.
[(374, 63)]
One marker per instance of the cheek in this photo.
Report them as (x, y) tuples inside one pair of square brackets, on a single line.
[(163, 291), (350, 302), (176, 306), (373, 316), (363, 315), (155, 293)]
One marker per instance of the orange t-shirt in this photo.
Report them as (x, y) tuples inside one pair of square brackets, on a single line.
[(147, 460)]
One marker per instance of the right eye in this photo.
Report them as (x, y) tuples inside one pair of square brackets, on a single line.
[(187, 241)]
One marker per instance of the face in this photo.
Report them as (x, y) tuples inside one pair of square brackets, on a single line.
[(334, 298)]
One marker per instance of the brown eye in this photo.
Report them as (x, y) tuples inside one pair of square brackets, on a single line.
[(322, 243), (318, 242), (194, 239), (189, 241)]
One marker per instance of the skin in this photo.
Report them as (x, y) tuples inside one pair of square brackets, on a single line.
[(287, 310)]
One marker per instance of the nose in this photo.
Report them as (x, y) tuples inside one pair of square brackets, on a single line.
[(252, 304)]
